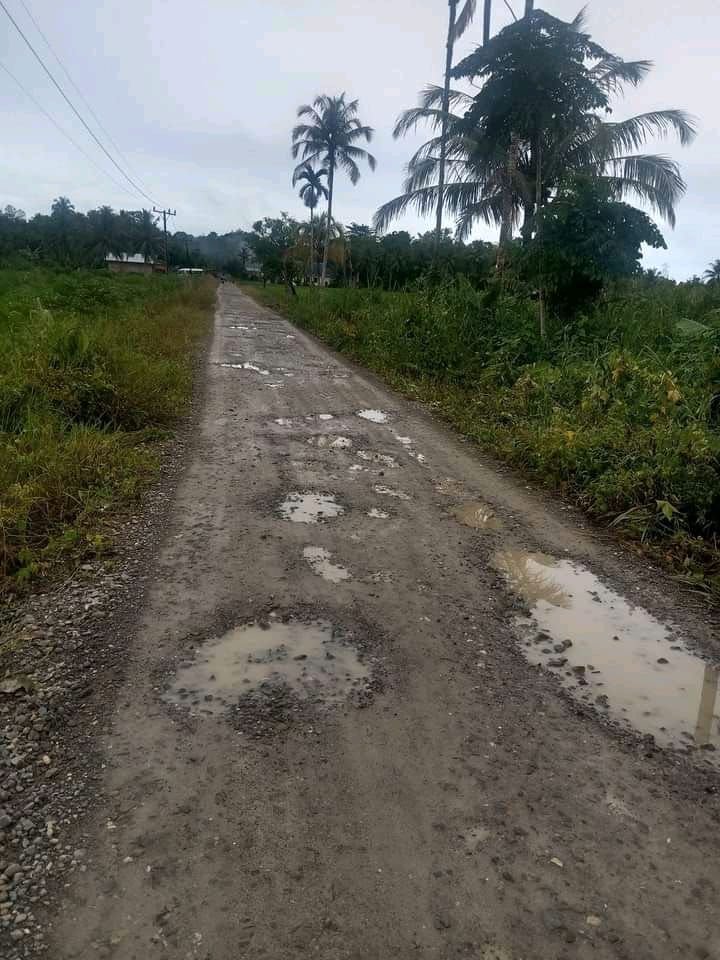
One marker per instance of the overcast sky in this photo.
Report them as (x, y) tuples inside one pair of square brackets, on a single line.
[(201, 98)]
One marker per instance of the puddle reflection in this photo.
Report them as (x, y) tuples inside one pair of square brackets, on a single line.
[(613, 654)]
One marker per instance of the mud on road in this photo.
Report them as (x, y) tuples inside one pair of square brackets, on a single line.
[(383, 700)]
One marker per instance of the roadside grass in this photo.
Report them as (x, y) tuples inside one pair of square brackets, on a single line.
[(618, 410), (95, 370)]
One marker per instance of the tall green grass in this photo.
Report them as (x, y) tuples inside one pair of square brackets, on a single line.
[(93, 369), (619, 410)]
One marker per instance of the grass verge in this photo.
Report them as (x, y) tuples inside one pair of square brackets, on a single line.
[(95, 369), (619, 411)]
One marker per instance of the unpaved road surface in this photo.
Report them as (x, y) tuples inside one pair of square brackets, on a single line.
[(387, 776)]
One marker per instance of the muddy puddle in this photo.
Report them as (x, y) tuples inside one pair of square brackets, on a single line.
[(247, 366), (614, 655), (375, 416), (320, 561), (390, 492), (381, 458), (331, 441), (306, 658), (310, 507), (477, 515)]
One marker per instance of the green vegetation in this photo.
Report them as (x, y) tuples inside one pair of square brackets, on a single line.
[(94, 369), (619, 410)]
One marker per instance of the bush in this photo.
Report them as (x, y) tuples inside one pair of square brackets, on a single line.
[(90, 365)]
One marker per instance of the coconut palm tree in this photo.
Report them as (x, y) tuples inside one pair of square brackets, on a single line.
[(330, 136), (537, 118), (311, 192), (457, 25), (147, 235), (712, 274)]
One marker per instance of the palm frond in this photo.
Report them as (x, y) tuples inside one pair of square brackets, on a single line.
[(464, 19), (653, 179)]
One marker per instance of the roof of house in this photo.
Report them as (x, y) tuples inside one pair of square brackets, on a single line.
[(127, 258)]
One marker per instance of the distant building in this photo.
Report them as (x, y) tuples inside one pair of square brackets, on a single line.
[(133, 263)]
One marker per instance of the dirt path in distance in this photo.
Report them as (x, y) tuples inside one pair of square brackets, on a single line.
[(332, 742)]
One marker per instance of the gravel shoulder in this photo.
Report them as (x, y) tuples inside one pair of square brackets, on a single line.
[(458, 803)]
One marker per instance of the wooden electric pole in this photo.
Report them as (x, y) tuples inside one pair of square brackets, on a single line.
[(165, 215)]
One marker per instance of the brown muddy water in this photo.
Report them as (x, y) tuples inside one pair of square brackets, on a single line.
[(310, 507), (614, 654), (375, 416), (477, 515), (320, 562), (306, 658)]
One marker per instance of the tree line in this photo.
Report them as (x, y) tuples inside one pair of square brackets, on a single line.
[(69, 238)]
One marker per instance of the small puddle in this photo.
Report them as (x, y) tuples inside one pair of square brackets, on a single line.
[(283, 422), (613, 654), (378, 514), (405, 441), (306, 658), (382, 458), (310, 507), (375, 416), (476, 515), (247, 366), (390, 492), (328, 440), (319, 560)]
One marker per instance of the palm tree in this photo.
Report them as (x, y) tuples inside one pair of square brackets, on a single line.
[(712, 274), (456, 27), (311, 192), (330, 137), (147, 236), (545, 90)]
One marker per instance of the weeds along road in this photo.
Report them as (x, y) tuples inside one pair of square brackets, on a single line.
[(332, 741)]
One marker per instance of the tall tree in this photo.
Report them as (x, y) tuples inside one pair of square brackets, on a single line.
[(712, 274), (545, 90), (147, 234), (330, 136), (311, 192), (457, 25)]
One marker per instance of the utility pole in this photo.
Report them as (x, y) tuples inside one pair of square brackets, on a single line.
[(165, 215)]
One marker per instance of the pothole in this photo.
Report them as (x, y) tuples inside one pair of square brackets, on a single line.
[(476, 515), (375, 416), (382, 458), (330, 441), (247, 366), (307, 660), (613, 654), (390, 492), (310, 507), (320, 561)]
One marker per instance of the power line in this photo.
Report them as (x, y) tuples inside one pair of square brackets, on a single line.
[(77, 89), (72, 105), (64, 132)]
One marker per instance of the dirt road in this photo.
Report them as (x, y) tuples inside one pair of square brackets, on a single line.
[(331, 741)]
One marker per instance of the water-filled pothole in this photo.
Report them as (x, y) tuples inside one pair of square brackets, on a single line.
[(390, 492), (305, 659), (375, 416), (613, 654), (330, 440), (320, 561), (247, 366), (310, 507), (477, 515)]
